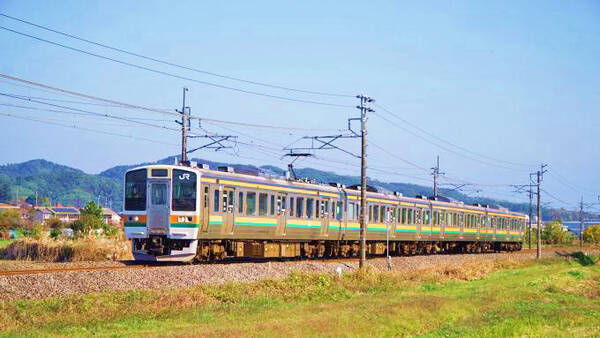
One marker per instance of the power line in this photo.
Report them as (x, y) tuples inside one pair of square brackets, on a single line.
[(129, 64), (138, 107), (90, 112), (174, 64), (70, 112), (561, 179), (86, 129), (556, 198)]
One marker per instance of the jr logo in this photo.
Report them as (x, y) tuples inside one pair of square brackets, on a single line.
[(184, 176)]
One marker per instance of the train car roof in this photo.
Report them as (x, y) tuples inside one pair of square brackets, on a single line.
[(384, 197)]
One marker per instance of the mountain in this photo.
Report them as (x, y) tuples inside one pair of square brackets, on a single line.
[(58, 183)]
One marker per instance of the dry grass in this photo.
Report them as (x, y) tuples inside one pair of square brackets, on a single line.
[(48, 250)]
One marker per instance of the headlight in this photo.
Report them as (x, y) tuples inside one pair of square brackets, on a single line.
[(181, 219), (136, 218)]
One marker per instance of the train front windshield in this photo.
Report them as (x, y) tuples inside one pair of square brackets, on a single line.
[(135, 190), (184, 190)]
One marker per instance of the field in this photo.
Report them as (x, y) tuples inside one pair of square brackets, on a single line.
[(557, 297)]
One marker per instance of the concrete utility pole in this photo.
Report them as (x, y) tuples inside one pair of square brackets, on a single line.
[(436, 173), (530, 210), (363, 176), (540, 176), (581, 223), (184, 128)]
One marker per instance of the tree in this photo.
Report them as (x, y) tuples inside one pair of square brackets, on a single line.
[(554, 233), (9, 219), (592, 234), (93, 209)]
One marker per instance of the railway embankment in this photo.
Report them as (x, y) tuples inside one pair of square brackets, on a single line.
[(61, 279)]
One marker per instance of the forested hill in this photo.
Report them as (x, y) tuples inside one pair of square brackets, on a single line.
[(57, 183)]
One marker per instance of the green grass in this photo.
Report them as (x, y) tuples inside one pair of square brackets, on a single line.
[(4, 243), (552, 298)]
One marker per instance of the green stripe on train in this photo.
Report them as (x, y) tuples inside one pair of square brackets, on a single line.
[(185, 225), (252, 224), (134, 225)]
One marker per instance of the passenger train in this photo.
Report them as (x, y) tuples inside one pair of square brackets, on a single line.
[(186, 213)]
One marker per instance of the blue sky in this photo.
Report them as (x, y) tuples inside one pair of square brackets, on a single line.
[(512, 80)]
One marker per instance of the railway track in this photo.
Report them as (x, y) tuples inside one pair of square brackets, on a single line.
[(71, 269)]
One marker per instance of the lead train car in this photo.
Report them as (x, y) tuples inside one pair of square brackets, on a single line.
[(176, 213)]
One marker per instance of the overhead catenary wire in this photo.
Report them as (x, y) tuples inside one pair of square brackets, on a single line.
[(144, 108), (446, 141), (181, 77), (257, 83), (441, 146), (74, 126)]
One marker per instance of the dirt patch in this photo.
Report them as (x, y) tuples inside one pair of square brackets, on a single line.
[(47, 250)]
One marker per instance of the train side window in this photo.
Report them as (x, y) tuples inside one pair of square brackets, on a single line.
[(325, 207), (206, 198), (250, 203), (418, 219), (382, 217), (262, 204), (318, 212), (279, 205), (292, 207), (283, 204), (272, 205), (427, 219), (375, 217), (241, 203), (370, 213), (409, 216), (299, 207), (216, 200), (339, 211), (310, 205)]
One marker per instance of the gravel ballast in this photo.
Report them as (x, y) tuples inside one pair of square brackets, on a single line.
[(31, 286)]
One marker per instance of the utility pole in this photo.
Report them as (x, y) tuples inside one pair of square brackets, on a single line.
[(36, 199), (530, 210), (581, 223), (540, 177), (184, 128), (436, 173), (363, 176)]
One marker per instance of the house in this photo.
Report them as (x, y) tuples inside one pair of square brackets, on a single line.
[(110, 217), (64, 214)]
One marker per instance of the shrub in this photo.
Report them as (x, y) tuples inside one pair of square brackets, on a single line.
[(67, 250), (592, 234)]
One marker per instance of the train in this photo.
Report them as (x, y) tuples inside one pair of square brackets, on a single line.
[(196, 213)]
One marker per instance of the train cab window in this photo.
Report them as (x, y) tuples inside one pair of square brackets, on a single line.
[(272, 205), (216, 200), (310, 207), (135, 190), (299, 207), (241, 203), (262, 204), (184, 190), (250, 203)]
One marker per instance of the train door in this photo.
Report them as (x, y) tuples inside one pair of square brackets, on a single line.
[(205, 206), (324, 216), (158, 206), (227, 205), (281, 205)]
